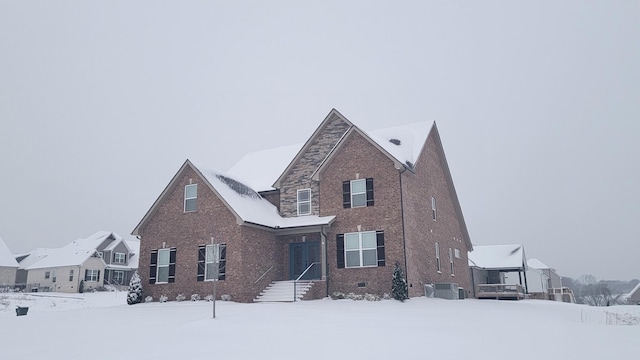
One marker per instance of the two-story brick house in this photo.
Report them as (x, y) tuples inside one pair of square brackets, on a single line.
[(345, 207)]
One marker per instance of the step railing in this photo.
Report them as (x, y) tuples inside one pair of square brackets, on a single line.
[(295, 282), (263, 275)]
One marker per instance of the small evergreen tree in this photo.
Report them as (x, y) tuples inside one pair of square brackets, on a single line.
[(399, 289), (81, 286), (135, 290)]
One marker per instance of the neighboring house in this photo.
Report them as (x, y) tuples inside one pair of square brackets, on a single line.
[(499, 271), (554, 279), (103, 258), (339, 210), (633, 298), (8, 265)]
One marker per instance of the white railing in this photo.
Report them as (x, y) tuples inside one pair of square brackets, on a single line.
[(295, 282)]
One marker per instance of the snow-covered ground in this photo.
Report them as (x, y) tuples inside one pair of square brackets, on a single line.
[(102, 326)]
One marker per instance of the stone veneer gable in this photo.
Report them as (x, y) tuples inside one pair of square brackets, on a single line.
[(299, 176)]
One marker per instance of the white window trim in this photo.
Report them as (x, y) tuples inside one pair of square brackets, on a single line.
[(358, 193), (158, 266), (216, 261), (190, 197), (360, 249), (438, 264), (456, 252), (92, 275), (303, 202), (115, 277), (118, 255), (453, 272), (434, 212)]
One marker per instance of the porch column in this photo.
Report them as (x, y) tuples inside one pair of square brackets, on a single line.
[(323, 253)]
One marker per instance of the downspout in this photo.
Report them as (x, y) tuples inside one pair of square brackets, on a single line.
[(404, 240), (325, 264)]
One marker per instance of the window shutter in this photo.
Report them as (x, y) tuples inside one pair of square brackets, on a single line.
[(369, 191), (153, 267), (380, 240), (86, 274), (340, 250), (201, 257), (346, 194), (222, 264), (98, 278), (172, 265)]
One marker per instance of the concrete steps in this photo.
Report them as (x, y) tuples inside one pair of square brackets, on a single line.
[(282, 291)]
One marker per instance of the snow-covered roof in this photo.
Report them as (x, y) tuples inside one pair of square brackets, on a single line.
[(6, 258), (496, 257), (260, 169), (537, 264), (73, 254), (247, 204), (403, 142)]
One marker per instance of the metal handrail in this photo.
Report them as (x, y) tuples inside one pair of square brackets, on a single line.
[(263, 274), (295, 282)]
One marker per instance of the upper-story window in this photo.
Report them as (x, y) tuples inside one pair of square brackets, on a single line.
[(119, 258), (433, 208), (304, 202), (438, 265), (190, 197), (357, 193)]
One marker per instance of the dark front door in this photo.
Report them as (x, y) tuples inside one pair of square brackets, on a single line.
[(301, 255)]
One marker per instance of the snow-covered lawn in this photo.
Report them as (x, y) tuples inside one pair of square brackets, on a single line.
[(101, 326)]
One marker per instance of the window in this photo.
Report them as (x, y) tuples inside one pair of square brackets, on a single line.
[(47, 274), (91, 275), (70, 275), (53, 277), (360, 249), (118, 277), (438, 266), (357, 193), (304, 202), (99, 254), (119, 258), (190, 197), (456, 252), (212, 260), (163, 266), (451, 261), (433, 208)]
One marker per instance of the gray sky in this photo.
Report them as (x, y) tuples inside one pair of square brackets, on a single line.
[(537, 105)]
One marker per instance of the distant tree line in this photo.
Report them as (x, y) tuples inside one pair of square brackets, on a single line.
[(588, 290)]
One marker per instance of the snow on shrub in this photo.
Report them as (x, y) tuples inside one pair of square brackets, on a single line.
[(338, 295), (163, 298), (225, 297), (135, 290), (195, 297), (148, 299), (180, 297), (209, 297)]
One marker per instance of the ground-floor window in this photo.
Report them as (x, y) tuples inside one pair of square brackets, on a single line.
[(163, 266), (91, 275), (212, 262), (118, 277), (360, 249)]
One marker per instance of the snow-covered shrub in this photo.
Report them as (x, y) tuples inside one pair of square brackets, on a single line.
[(353, 296), (338, 295), (209, 297), (163, 298), (399, 288), (148, 299), (180, 297), (4, 301), (372, 297), (195, 297), (386, 296), (135, 290), (225, 297)]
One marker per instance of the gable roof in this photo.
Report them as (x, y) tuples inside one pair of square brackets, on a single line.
[(537, 264), (73, 254), (498, 257), (6, 258), (245, 203)]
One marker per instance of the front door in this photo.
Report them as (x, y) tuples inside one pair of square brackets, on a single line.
[(301, 255)]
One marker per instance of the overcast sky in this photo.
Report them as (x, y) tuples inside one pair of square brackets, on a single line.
[(538, 107)]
